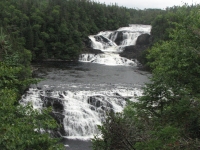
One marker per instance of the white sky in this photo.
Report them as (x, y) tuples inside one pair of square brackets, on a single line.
[(141, 4)]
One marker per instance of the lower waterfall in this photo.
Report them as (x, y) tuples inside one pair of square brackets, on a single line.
[(84, 109)]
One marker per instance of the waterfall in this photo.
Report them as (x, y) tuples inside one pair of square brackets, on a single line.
[(112, 43), (108, 58), (82, 110), (82, 95)]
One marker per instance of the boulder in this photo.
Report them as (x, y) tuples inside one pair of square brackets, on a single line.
[(133, 51), (143, 39)]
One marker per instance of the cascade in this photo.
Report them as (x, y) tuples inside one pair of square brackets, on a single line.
[(83, 110), (112, 43), (82, 96)]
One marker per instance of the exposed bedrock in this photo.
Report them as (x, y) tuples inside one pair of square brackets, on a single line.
[(135, 51), (101, 38), (131, 52), (58, 107), (99, 102), (143, 39)]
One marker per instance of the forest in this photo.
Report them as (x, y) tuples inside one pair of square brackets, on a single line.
[(166, 117), (57, 29)]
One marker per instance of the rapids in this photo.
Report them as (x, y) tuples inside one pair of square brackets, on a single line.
[(112, 43), (82, 92)]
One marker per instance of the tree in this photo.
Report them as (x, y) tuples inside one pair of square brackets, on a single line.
[(21, 127)]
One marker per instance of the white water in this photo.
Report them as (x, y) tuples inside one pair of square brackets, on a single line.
[(108, 58), (84, 110), (88, 91), (111, 49)]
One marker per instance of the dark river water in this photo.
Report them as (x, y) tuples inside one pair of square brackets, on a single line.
[(89, 78), (56, 73)]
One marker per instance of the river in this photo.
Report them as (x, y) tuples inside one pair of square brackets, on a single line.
[(86, 89)]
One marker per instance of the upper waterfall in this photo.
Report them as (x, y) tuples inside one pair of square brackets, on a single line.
[(114, 42)]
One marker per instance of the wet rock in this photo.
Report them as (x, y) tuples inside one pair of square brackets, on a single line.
[(92, 108), (101, 38), (87, 42), (133, 51), (143, 39), (94, 100), (99, 102), (119, 37), (59, 119), (57, 105), (88, 47), (92, 51)]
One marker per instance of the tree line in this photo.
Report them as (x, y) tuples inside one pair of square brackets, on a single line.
[(57, 29)]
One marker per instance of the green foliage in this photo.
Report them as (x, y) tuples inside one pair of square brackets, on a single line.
[(172, 98), (167, 116), (164, 23), (122, 131), (115, 134), (55, 29), (163, 138), (21, 127)]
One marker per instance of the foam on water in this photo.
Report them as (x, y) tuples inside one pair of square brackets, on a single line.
[(87, 94), (105, 41), (84, 110), (137, 28), (110, 59)]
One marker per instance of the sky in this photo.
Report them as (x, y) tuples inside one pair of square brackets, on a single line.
[(142, 4)]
